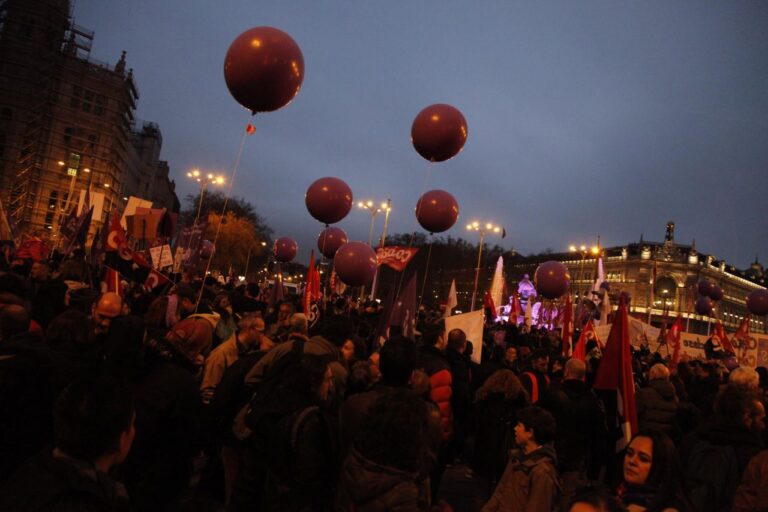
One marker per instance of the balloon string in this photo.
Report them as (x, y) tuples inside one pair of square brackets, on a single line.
[(426, 273), (221, 218), (424, 186)]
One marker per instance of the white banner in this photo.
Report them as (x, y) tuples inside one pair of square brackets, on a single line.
[(162, 256), (472, 325)]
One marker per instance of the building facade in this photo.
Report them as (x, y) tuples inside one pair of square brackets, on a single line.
[(67, 122), (662, 280)]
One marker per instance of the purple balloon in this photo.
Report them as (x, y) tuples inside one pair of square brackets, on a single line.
[(285, 249), (206, 249), (716, 293), (705, 287), (605, 285), (757, 302), (330, 239), (552, 279), (328, 200), (355, 263), (703, 306), (437, 211)]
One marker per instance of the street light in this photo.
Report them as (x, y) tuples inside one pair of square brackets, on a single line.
[(594, 250), (204, 181), (483, 230), (386, 207), (373, 210)]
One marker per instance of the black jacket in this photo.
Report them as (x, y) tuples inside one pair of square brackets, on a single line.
[(657, 407)]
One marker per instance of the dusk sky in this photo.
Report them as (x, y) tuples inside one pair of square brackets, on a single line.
[(584, 117)]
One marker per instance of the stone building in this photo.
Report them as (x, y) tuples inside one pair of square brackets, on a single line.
[(67, 122)]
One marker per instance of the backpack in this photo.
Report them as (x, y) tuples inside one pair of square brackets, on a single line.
[(712, 476)]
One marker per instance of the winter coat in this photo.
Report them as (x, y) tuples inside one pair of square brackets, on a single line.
[(752, 494), (461, 399), (529, 483), (535, 384), (724, 432), (657, 407), (436, 366), (495, 418), (581, 425), (365, 486), (46, 482)]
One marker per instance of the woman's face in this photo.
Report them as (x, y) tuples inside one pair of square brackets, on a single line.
[(348, 350), (638, 460), (511, 354)]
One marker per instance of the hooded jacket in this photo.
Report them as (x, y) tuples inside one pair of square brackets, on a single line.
[(529, 483), (657, 407), (365, 486)]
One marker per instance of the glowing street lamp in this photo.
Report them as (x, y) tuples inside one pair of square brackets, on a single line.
[(488, 228), (204, 181)]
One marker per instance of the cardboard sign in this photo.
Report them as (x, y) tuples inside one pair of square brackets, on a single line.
[(162, 256)]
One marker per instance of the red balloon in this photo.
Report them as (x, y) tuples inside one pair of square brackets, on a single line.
[(552, 279), (330, 239), (437, 211), (355, 263), (439, 132), (285, 249), (716, 293), (703, 306), (263, 69), (206, 249), (757, 302), (705, 287), (328, 200)]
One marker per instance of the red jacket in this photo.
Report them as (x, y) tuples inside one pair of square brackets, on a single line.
[(434, 363)]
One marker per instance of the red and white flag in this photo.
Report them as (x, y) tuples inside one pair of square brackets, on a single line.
[(614, 377), (155, 279), (488, 303), (719, 338), (395, 257), (742, 335), (111, 282), (588, 333), (673, 340), (515, 309), (567, 332)]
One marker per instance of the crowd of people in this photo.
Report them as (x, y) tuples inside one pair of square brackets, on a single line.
[(204, 396)]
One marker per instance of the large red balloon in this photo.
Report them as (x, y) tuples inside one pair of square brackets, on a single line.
[(263, 69), (437, 211), (328, 200), (552, 279), (439, 132), (330, 239), (757, 302), (703, 306), (355, 263), (285, 249), (716, 293)]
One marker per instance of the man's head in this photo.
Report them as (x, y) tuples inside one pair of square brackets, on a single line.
[(107, 308), (397, 360), (457, 340), (14, 319), (93, 421), (746, 378), (190, 338), (510, 354), (250, 330), (298, 323), (284, 312), (735, 402), (433, 335), (575, 370), (658, 371), (535, 424), (186, 297), (540, 361), (39, 271), (336, 329)]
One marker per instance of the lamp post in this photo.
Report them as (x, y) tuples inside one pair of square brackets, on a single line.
[(483, 230), (374, 211), (386, 207), (595, 250), (204, 181)]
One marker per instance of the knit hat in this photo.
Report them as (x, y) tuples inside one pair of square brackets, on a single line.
[(190, 338)]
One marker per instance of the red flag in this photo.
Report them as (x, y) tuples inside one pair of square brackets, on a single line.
[(33, 248), (250, 129), (111, 282), (395, 257), (673, 340), (567, 324), (155, 279), (516, 309), (309, 291), (587, 333), (720, 338), (488, 303), (742, 335), (615, 374)]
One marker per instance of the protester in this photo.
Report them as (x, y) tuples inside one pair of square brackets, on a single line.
[(657, 403)]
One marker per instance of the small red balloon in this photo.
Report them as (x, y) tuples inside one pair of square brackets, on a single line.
[(328, 200), (285, 249), (703, 306), (355, 263), (437, 211), (264, 69), (705, 287), (439, 132), (552, 279), (330, 239), (716, 293), (757, 302)]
